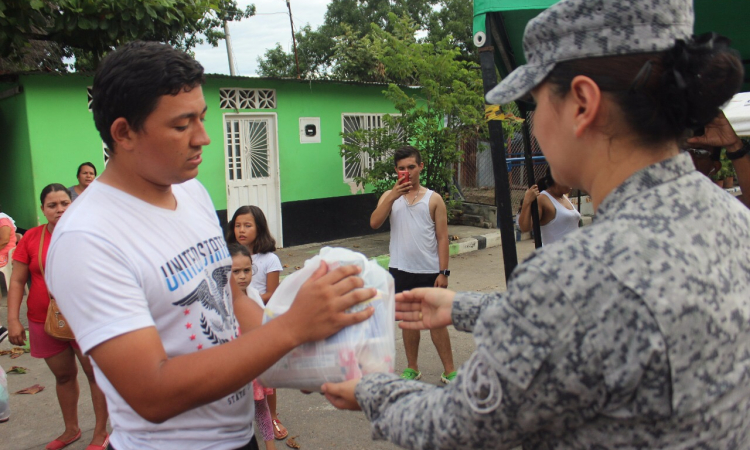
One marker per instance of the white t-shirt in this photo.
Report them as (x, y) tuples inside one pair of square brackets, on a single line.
[(263, 264), (117, 264)]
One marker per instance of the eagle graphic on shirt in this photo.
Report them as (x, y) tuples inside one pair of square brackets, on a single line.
[(210, 294)]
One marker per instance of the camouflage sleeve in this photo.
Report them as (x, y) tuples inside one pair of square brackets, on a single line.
[(467, 306), (533, 370)]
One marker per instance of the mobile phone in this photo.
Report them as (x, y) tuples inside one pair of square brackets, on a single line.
[(403, 175)]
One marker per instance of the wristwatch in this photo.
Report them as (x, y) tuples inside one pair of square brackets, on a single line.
[(744, 150), (445, 272)]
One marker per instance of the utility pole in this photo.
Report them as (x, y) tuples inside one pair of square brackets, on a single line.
[(294, 40), (230, 54)]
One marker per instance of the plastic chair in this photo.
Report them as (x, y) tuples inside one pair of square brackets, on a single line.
[(8, 268)]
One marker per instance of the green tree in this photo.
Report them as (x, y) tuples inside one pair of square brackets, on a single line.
[(88, 29), (336, 48), (444, 108)]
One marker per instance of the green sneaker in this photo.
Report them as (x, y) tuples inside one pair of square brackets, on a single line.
[(411, 374), (447, 378)]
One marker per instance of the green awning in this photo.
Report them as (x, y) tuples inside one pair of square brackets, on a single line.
[(730, 18)]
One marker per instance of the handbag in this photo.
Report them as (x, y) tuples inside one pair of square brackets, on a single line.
[(55, 325)]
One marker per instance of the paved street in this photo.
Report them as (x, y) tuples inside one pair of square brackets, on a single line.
[(36, 419)]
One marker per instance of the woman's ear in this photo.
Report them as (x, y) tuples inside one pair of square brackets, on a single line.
[(587, 98)]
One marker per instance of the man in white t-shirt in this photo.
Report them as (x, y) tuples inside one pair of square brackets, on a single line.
[(418, 249), (142, 273)]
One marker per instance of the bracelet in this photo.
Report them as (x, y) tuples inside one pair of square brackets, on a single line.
[(744, 150)]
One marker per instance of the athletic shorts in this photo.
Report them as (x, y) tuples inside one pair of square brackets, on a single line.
[(406, 281), (43, 345)]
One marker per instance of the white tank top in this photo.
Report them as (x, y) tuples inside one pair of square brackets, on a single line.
[(413, 244), (565, 221)]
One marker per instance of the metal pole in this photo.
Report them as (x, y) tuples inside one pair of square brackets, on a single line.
[(230, 55), (499, 165), (294, 40), (530, 173)]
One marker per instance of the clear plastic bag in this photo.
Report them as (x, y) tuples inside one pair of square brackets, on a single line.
[(357, 350), (4, 397)]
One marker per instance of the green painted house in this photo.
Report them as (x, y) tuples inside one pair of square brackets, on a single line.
[(274, 143)]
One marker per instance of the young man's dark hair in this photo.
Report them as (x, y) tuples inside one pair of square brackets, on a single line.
[(131, 79), (406, 151)]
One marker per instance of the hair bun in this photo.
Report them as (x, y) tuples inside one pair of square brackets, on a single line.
[(699, 75)]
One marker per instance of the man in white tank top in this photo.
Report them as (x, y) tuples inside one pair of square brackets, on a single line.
[(419, 249)]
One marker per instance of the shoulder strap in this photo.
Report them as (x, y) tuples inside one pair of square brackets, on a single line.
[(41, 266)]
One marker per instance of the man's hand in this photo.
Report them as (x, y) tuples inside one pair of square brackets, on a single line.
[(341, 395), (399, 189), (319, 309), (719, 133), (441, 281), (424, 308)]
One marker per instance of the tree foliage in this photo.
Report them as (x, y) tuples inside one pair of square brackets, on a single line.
[(88, 29), (444, 108), (336, 48)]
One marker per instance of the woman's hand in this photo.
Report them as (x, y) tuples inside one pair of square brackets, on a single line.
[(341, 395), (531, 194), (16, 332), (424, 308)]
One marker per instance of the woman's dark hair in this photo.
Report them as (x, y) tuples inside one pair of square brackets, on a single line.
[(547, 181), (131, 79), (84, 165), (264, 242), (663, 95), (54, 187), (237, 249)]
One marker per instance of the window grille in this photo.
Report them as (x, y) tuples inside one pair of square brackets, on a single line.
[(235, 98), (353, 167), (247, 148)]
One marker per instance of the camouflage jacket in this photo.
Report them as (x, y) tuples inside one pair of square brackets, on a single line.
[(631, 333)]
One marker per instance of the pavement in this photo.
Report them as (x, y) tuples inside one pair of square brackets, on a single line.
[(36, 420)]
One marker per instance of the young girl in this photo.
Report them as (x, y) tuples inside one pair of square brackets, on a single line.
[(249, 228), (242, 272)]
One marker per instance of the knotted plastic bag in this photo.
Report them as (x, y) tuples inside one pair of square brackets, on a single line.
[(356, 350)]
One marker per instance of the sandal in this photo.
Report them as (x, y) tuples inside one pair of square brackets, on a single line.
[(99, 447), (58, 444), (279, 430)]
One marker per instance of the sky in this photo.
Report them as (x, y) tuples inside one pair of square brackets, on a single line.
[(253, 36)]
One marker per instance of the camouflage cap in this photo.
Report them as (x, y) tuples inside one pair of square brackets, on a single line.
[(577, 29)]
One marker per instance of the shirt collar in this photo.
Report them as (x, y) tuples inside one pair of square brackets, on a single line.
[(646, 179)]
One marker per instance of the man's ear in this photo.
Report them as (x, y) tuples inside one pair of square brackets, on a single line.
[(122, 133), (587, 99)]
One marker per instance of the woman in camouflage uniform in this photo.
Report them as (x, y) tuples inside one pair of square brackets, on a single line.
[(629, 333)]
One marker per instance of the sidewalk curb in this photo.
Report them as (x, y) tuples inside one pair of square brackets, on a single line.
[(459, 247)]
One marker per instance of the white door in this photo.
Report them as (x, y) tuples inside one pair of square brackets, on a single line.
[(253, 166)]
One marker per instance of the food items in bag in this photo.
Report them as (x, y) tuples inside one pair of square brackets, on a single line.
[(356, 350)]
